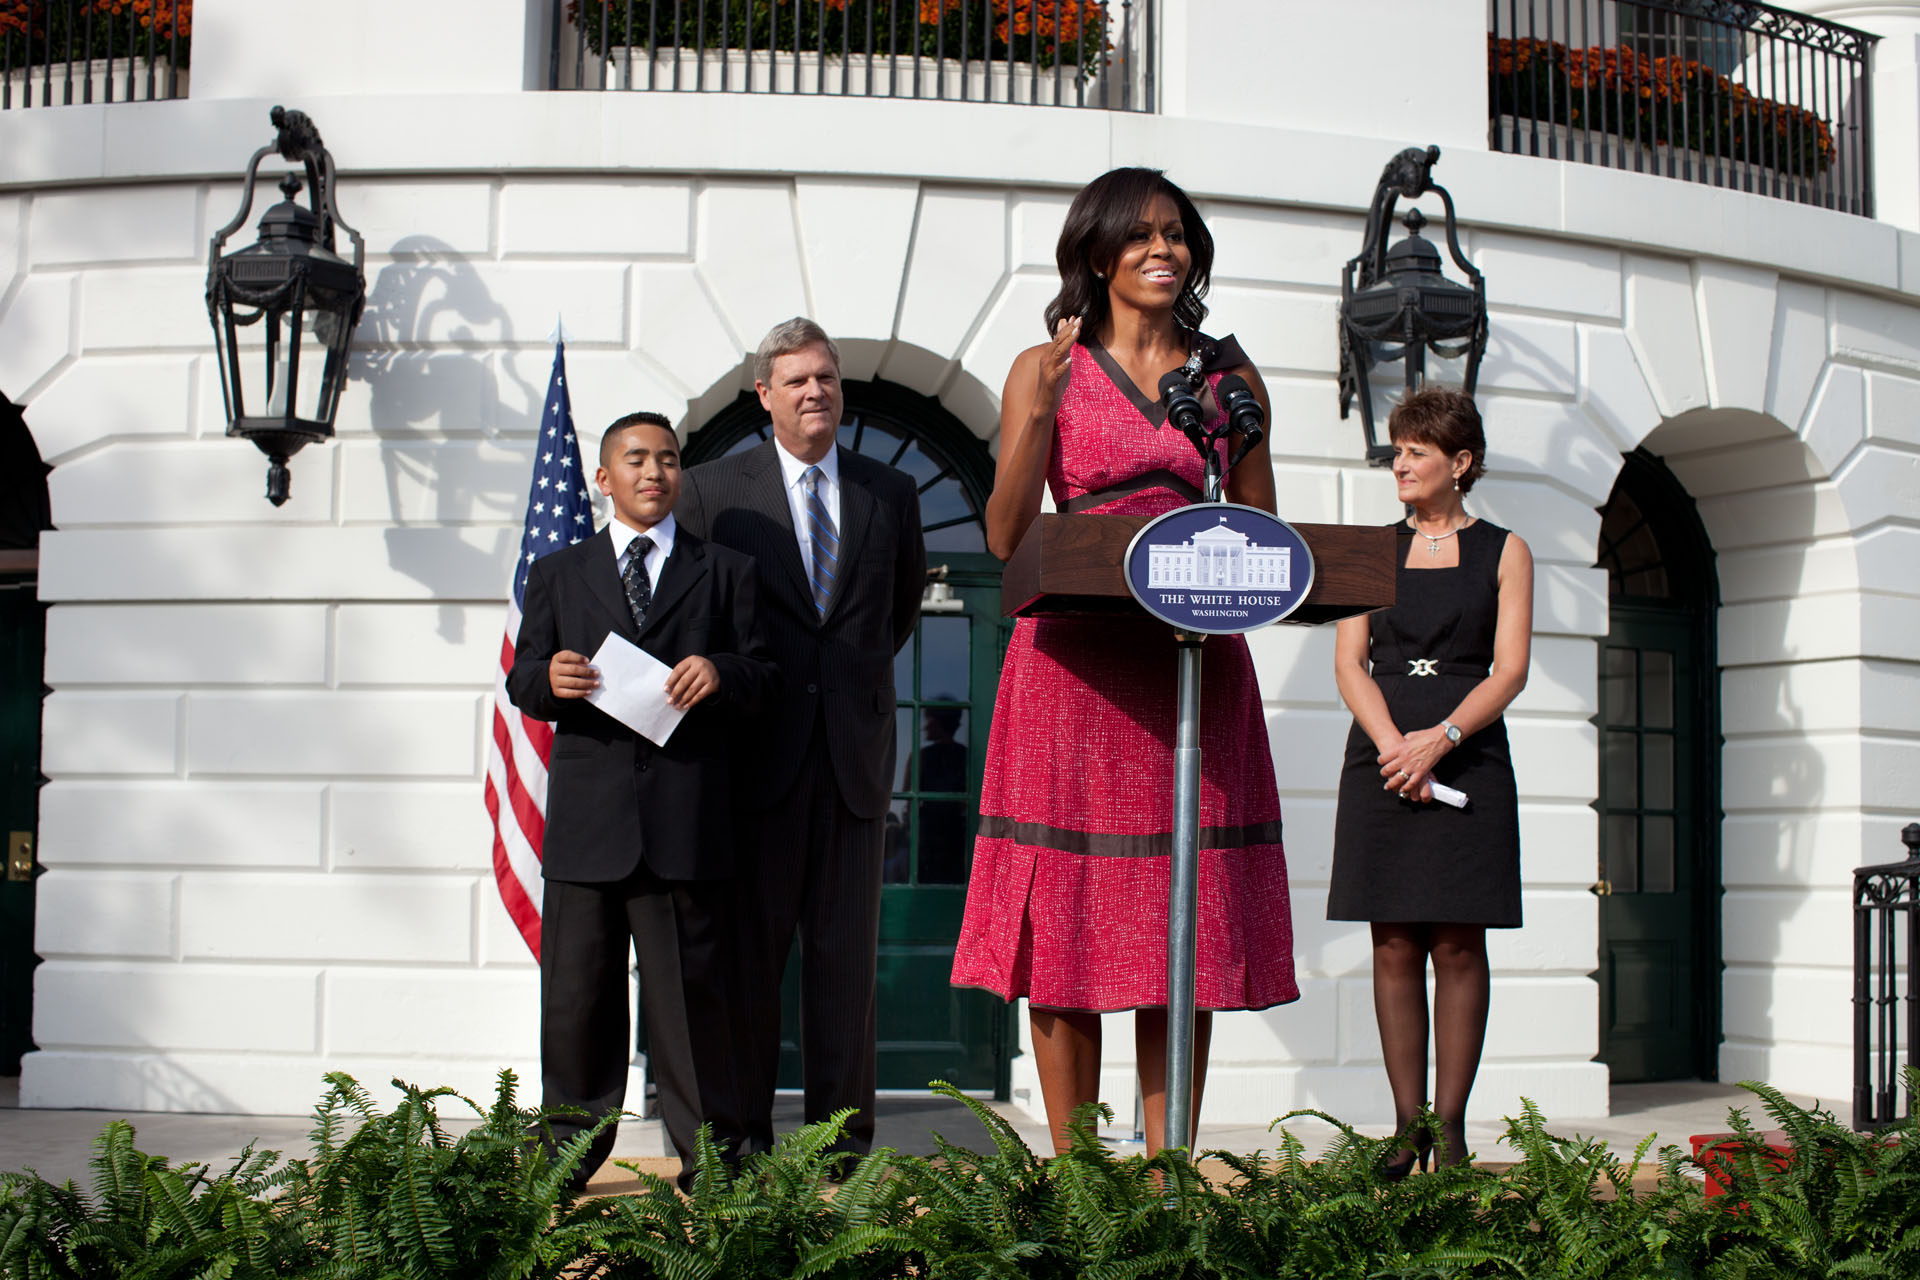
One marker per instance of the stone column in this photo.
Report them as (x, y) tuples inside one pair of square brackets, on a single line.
[(1896, 99), (1374, 70)]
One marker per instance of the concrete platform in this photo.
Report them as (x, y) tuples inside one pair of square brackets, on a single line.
[(56, 1144)]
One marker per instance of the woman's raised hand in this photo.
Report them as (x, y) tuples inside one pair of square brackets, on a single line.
[(1056, 362)]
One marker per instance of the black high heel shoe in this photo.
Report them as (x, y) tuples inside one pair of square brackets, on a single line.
[(1397, 1170)]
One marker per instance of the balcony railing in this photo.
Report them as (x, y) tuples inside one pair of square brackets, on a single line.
[(1724, 92), (62, 52), (1886, 942), (1069, 53)]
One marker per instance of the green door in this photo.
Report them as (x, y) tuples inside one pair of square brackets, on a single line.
[(22, 652), (945, 678), (1658, 879)]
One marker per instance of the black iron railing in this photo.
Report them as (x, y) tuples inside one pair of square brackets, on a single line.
[(1886, 929), (1070, 53), (1724, 92), (56, 53)]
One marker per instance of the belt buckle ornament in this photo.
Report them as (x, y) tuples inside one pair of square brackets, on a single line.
[(1421, 667)]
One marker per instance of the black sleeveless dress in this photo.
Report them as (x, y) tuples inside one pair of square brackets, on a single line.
[(1400, 861)]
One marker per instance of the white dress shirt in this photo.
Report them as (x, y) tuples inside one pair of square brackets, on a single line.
[(623, 535), (794, 470)]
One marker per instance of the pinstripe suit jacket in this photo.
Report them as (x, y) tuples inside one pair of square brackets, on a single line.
[(839, 667)]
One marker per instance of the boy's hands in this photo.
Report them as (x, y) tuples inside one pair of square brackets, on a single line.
[(571, 675), (691, 682)]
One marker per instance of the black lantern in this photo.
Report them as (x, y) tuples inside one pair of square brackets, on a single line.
[(1395, 303), (308, 297)]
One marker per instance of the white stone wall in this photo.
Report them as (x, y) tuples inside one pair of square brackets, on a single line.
[(267, 852)]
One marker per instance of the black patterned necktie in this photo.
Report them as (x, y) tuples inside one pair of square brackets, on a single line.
[(639, 588)]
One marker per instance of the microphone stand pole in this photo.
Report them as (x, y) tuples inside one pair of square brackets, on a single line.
[(1183, 887), (1183, 899)]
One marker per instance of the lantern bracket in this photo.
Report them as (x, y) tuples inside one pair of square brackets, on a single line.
[(1409, 175)]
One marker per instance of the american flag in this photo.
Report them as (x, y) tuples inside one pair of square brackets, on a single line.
[(559, 514)]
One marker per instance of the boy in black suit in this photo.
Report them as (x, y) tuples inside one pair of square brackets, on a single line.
[(639, 839)]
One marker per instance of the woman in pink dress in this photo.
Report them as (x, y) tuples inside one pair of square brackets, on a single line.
[(1067, 904)]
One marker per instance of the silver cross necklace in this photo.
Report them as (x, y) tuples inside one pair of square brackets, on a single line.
[(1434, 539)]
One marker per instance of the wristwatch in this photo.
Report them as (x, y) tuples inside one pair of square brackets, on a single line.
[(1452, 731)]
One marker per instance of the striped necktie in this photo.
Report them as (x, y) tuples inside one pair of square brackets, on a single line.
[(823, 543)]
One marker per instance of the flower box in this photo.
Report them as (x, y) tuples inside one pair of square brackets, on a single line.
[(1521, 136)]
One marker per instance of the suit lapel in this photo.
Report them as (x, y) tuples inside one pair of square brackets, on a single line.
[(857, 506), (767, 493), (684, 567), (603, 582)]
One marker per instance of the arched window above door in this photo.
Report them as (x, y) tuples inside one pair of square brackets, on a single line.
[(948, 463), (1652, 544)]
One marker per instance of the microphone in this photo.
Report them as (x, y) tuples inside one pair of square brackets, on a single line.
[(1243, 409), (1244, 414), (1183, 409)]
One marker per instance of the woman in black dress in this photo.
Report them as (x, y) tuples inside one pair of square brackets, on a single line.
[(1427, 681)]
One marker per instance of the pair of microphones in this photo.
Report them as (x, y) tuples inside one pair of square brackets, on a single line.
[(1245, 417)]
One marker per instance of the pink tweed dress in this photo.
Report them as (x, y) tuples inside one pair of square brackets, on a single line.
[(1067, 903)]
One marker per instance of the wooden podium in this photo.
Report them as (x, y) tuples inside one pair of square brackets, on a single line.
[(1068, 564)]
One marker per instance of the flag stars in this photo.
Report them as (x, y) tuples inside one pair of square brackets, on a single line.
[(546, 457), (553, 536), (544, 482)]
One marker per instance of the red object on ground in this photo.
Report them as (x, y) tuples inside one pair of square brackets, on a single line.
[(1710, 1149)]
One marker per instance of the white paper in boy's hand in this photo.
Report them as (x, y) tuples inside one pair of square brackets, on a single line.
[(633, 689), (1448, 795)]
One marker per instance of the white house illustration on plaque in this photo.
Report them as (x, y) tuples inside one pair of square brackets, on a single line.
[(1219, 557)]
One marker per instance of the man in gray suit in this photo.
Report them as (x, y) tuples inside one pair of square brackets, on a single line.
[(836, 536)]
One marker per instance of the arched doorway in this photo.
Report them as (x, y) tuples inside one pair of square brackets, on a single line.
[(946, 679), (1659, 799), (24, 512)]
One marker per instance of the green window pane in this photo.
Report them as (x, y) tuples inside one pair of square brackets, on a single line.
[(944, 666), (943, 750), (943, 842), (946, 500), (1622, 853), (903, 739), (1656, 854), (896, 859), (877, 442), (917, 464), (1656, 771), (1616, 687), (1623, 789), (965, 537), (1656, 689), (903, 671)]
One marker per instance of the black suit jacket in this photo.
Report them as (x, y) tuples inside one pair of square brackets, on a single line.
[(840, 667), (613, 798)]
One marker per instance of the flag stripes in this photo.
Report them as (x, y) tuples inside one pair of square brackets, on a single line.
[(559, 514)]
